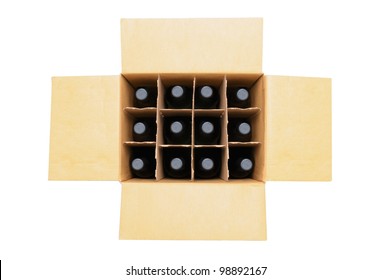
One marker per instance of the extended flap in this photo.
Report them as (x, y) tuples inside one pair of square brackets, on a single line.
[(84, 134), (225, 45), (298, 128), (211, 209)]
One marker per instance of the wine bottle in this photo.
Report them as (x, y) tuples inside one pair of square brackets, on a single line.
[(241, 163), (177, 163), (177, 130), (178, 97), (145, 97), (207, 163), (240, 130), (144, 130), (206, 97), (238, 97), (142, 162), (207, 131)]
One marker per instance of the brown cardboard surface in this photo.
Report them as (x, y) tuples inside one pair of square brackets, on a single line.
[(298, 128), (211, 209), (192, 45), (84, 134)]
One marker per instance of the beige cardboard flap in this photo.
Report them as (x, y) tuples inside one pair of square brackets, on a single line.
[(212, 209), (192, 45), (84, 134), (298, 128)]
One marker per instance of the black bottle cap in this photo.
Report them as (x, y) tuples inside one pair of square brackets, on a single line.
[(177, 91), (139, 128), (137, 164), (141, 94), (207, 127), (206, 91), (176, 163), (242, 94), (246, 164), (176, 127), (244, 128), (207, 164)]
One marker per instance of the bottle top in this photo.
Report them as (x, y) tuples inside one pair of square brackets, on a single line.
[(176, 127), (206, 92), (141, 94), (242, 94), (207, 127), (244, 128), (137, 164), (176, 163), (177, 91), (139, 128), (246, 164), (207, 164)]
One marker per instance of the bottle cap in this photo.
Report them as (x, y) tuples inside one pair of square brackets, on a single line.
[(139, 128), (206, 91), (137, 164), (207, 164), (246, 164), (177, 91), (242, 94), (176, 163), (207, 127), (244, 128), (176, 127), (141, 94)]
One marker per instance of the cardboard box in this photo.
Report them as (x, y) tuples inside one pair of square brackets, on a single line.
[(91, 136)]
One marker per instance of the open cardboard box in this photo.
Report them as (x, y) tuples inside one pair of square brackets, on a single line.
[(91, 135)]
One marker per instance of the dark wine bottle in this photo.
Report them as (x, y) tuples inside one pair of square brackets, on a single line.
[(144, 130), (241, 164), (177, 163), (142, 162), (240, 130), (178, 97), (177, 130), (238, 97), (206, 97), (145, 97), (207, 131), (207, 163)]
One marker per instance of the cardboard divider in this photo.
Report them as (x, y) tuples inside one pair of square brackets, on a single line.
[(140, 144), (159, 173), (141, 112), (193, 130), (243, 144), (243, 112), (175, 112), (224, 134)]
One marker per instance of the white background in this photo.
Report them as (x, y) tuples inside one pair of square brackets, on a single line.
[(69, 230)]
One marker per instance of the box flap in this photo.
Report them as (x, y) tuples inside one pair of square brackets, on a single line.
[(298, 128), (224, 45), (206, 210), (84, 134)]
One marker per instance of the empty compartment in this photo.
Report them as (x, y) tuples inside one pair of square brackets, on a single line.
[(177, 91), (207, 163), (243, 162), (176, 162), (142, 163)]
